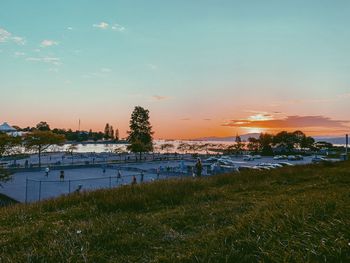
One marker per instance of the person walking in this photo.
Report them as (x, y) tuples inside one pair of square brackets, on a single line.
[(199, 167), (62, 175), (78, 189), (47, 170), (141, 177), (134, 181), (158, 173), (119, 176)]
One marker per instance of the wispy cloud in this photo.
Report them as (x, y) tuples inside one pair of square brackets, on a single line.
[(152, 66), (53, 70), (334, 99), (6, 36), (289, 122), (159, 98), (117, 27), (113, 27), (19, 54), (50, 60), (101, 25), (106, 70), (19, 40), (69, 28), (48, 43)]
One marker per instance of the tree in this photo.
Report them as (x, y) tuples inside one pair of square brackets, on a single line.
[(265, 140), (307, 142), (140, 134), (238, 146), (116, 135), (253, 144), (43, 126), (5, 176), (107, 130), (111, 132), (166, 147), (119, 151), (40, 141), (71, 148), (183, 147), (288, 139), (8, 144)]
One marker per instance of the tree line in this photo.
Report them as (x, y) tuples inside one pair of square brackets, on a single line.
[(41, 138), (283, 142), (76, 136)]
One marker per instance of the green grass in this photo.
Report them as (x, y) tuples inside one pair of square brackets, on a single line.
[(297, 214), (5, 201)]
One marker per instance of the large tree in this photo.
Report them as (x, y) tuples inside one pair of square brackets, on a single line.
[(167, 147), (8, 144), (265, 140), (106, 131), (40, 141), (111, 132), (5, 176), (238, 146), (116, 135), (140, 134), (253, 144), (43, 126)]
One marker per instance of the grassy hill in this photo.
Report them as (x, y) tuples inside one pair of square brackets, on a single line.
[(5, 200), (298, 214)]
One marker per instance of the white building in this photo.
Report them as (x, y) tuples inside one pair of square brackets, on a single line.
[(6, 128)]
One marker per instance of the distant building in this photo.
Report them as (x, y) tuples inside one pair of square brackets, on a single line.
[(6, 128)]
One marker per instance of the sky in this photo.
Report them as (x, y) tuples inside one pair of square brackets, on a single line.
[(202, 68)]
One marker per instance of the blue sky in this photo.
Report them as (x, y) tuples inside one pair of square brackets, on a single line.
[(197, 65)]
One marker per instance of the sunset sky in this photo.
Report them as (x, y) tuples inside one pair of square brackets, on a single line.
[(202, 68)]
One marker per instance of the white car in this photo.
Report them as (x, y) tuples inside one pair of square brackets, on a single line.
[(211, 160), (285, 164), (225, 161), (248, 158), (317, 159)]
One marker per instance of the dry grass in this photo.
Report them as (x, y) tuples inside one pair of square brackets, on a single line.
[(298, 214)]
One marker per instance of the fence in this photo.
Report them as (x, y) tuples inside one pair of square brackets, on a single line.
[(37, 190)]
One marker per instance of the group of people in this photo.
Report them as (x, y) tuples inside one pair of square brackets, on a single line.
[(196, 171), (47, 171)]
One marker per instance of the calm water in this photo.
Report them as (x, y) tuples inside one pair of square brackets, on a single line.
[(98, 148)]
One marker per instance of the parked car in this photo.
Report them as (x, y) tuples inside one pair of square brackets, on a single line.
[(267, 165), (299, 157), (244, 168), (226, 161), (292, 158), (285, 164), (211, 160), (317, 159), (248, 158), (280, 157)]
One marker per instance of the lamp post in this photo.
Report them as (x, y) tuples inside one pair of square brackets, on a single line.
[(346, 146)]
